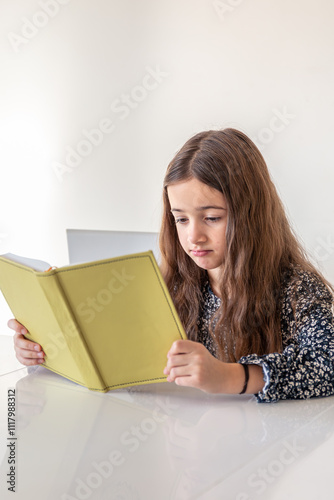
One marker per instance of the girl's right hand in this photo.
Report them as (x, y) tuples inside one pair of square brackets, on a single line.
[(27, 352)]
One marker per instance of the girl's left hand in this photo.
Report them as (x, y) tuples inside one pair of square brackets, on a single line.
[(190, 364)]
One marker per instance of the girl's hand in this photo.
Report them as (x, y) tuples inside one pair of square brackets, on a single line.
[(27, 352), (190, 364)]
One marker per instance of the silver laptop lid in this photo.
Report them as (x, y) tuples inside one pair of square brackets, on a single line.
[(85, 245)]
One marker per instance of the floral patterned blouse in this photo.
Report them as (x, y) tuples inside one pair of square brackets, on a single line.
[(305, 367)]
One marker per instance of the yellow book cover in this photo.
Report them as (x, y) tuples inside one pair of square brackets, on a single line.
[(105, 324)]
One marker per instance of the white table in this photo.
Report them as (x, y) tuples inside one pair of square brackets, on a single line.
[(160, 441)]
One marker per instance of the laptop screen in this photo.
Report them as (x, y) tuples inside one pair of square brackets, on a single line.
[(85, 245)]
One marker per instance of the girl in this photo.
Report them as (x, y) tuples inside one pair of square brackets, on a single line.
[(258, 315)]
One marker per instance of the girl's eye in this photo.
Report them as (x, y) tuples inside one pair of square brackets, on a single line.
[(180, 220), (213, 219)]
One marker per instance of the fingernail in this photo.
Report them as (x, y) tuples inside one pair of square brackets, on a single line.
[(37, 347), (24, 331)]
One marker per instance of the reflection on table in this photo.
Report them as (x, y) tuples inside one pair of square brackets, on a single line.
[(158, 441)]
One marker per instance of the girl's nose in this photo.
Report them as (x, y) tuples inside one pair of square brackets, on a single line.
[(196, 234)]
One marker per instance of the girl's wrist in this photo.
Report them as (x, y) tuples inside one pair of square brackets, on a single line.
[(235, 381)]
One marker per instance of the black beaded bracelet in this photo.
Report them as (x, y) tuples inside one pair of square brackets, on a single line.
[(246, 379)]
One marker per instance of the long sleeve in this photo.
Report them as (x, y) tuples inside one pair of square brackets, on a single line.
[(305, 367)]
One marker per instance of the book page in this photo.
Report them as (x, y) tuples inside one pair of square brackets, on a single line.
[(36, 265)]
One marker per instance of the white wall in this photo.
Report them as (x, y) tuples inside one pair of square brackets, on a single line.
[(179, 66)]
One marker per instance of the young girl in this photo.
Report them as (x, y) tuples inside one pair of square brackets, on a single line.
[(258, 315)]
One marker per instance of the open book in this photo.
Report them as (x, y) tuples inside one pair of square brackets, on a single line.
[(105, 324)]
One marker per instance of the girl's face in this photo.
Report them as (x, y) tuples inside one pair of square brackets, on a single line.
[(200, 214)]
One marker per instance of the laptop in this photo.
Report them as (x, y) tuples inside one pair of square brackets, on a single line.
[(85, 245)]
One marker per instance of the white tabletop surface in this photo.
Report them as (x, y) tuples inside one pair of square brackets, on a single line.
[(160, 441)]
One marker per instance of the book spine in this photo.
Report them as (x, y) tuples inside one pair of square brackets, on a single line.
[(69, 337)]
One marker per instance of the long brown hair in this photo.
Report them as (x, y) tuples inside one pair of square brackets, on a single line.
[(261, 247)]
